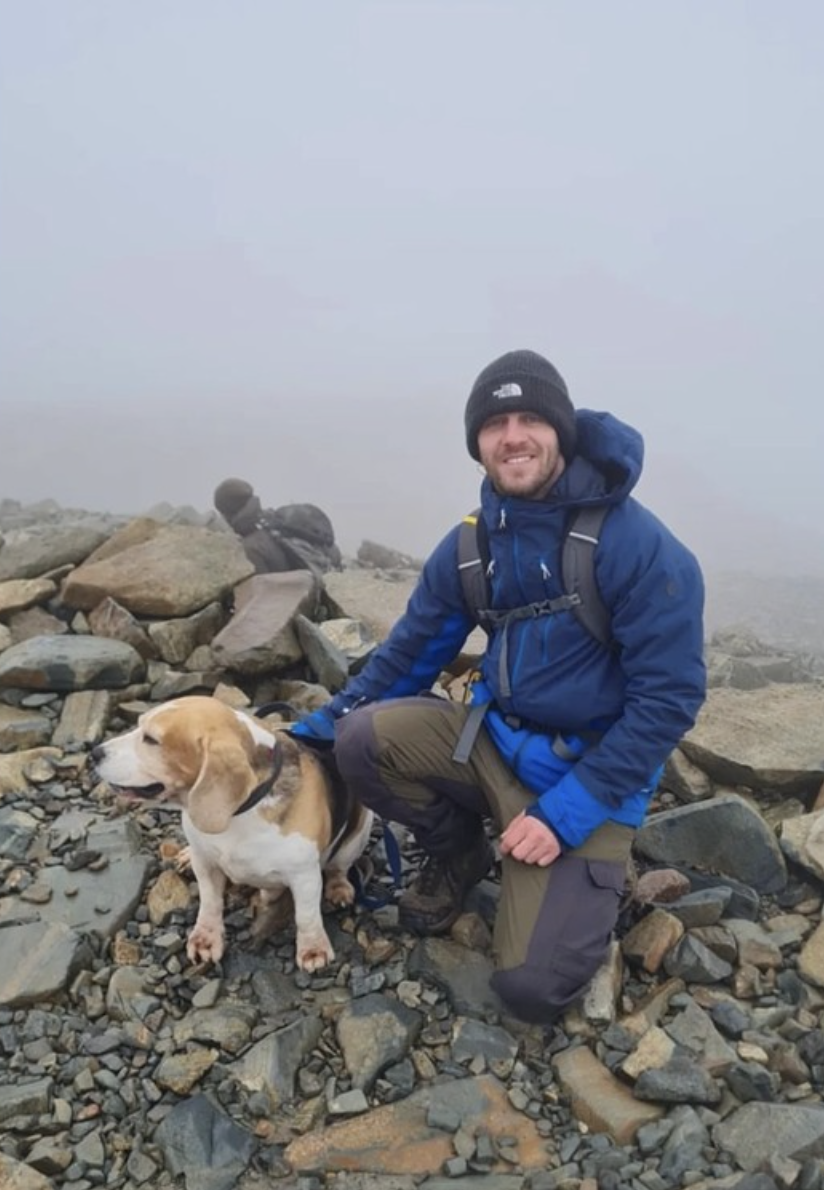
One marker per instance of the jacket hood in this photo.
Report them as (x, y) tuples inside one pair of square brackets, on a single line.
[(614, 452)]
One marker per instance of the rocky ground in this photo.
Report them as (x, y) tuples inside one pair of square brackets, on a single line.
[(697, 1058)]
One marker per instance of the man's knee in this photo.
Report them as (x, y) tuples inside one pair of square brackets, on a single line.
[(355, 742), (539, 995)]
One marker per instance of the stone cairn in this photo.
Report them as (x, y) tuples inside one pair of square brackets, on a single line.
[(696, 1058)]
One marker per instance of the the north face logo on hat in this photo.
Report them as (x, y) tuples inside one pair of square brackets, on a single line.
[(508, 390)]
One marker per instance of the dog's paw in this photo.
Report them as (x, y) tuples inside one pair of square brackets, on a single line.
[(337, 888), (206, 944), (314, 951), (183, 859)]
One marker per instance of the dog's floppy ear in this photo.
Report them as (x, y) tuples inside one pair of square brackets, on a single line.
[(225, 780)]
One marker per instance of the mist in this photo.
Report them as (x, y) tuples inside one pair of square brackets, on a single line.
[(280, 241)]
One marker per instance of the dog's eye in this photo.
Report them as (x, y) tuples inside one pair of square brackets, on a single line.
[(150, 739)]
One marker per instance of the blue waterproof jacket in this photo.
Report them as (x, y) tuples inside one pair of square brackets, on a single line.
[(633, 702)]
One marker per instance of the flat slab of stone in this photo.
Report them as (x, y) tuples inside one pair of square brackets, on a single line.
[(396, 1139), (15, 766), (95, 902), (759, 1132), (36, 553), (723, 835), (260, 637), (771, 738), (370, 597), (61, 663), (16, 594), (87, 900), (153, 569), (39, 959), (16, 1175), (597, 1097), (21, 728), (83, 718)]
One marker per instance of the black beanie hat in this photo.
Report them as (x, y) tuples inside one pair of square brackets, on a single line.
[(521, 380)]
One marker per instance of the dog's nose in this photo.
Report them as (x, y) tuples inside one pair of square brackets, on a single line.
[(97, 753)]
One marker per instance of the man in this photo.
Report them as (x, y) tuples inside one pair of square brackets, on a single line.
[(575, 731), (294, 537)]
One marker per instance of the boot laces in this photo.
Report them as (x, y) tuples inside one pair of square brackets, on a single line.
[(433, 876)]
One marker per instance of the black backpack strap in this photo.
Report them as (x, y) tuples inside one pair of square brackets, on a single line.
[(578, 571), (473, 559)]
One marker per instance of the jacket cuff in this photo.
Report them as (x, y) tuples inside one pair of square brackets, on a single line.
[(571, 811), (535, 811)]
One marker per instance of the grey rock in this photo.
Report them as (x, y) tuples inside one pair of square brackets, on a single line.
[(228, 1024), (260, 636), (352, 639), (375, 1032), (176, 640), (704, 907), (327, 662), (127, 997), (83, 719), (802, 841), (691, 960), (748, 1081), (744, 901), (98, 902), (472, 1038), (725, 835), (349, 1103), (23, 728), (204, 1145), (272, 1064), (39, 959), (17, 1175), (382, 557), (109, 619), (757, 1131), (680, 1081), (70, 663), (369, 596), (463, 974), (694, 1032), (764, 739), (17, 829), (33, 554), (684, 1147), (176, 685), (730, 1018), (153, 569), (685, 780), (26, 1098), (90, 1150)]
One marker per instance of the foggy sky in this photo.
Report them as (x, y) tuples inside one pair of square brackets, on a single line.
[(279, 240)]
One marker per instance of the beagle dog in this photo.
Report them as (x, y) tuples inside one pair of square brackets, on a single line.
[(258, 809)]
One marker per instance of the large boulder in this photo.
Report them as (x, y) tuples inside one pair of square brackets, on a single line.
[(769, 739), (159, 570)]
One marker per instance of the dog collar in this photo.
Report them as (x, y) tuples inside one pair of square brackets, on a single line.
[(265, 787)]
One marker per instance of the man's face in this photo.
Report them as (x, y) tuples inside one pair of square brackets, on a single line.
[(520, 454)]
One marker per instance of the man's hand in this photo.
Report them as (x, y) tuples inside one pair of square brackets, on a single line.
[(529, 840), (317, 730)]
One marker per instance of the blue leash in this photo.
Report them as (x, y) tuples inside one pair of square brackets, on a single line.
[(393, 857)]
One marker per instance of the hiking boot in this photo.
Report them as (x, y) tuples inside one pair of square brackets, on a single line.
[(434, 900)]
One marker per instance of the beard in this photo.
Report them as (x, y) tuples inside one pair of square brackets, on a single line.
[(530, 482)]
